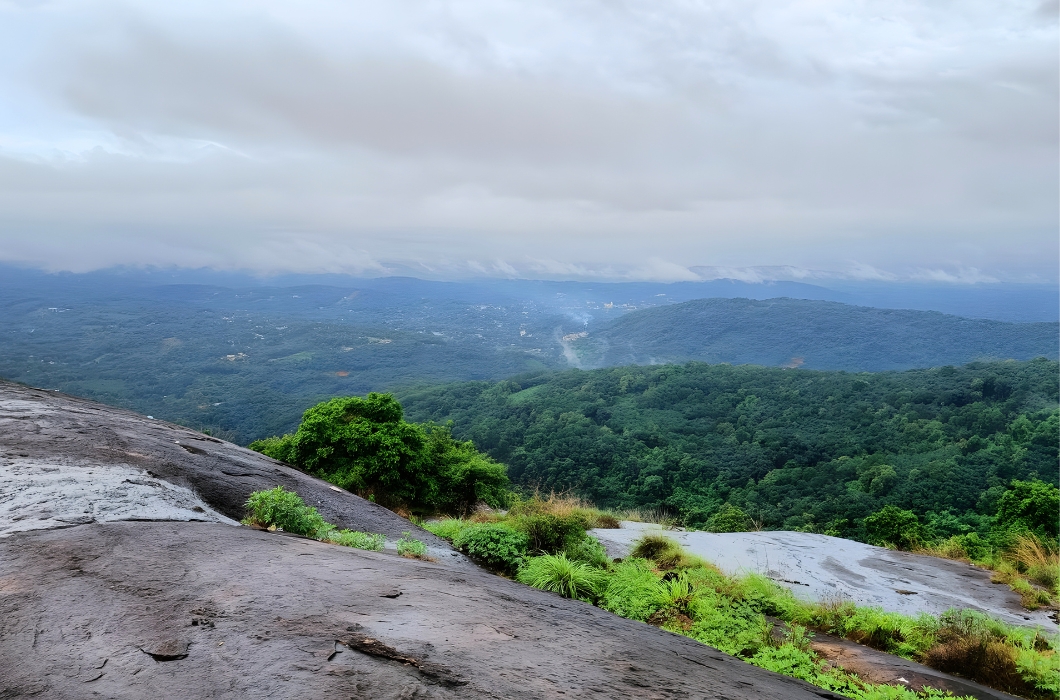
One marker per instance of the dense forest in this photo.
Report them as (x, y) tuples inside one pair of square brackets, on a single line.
[(245, 361), (794, 449)]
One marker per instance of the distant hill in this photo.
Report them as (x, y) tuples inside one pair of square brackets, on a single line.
[(811, 334), (245, 361)]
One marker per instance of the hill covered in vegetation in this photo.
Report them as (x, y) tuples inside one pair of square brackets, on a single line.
[(245, 362), (791, 448), (811, 334)]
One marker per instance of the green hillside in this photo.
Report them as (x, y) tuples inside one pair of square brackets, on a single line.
[(810, 334), (792, 448)]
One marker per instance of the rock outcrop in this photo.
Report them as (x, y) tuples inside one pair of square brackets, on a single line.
[(133, 582)]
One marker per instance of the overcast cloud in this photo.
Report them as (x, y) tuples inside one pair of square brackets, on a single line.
[(577, 138)]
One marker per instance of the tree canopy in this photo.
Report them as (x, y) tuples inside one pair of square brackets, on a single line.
[(792, 449), (365, 445)]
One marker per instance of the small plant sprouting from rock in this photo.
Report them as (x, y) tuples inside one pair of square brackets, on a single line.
[(279, 509), (411, 548), (357, 540)]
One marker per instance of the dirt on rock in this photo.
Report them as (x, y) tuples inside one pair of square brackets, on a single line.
[(181, 609)]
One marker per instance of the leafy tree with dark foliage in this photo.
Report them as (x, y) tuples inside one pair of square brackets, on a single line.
[(365, 445)]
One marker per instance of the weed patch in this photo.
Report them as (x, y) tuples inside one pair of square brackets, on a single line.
[(357, 540), (411, 548), (279, 509), (496, 546)]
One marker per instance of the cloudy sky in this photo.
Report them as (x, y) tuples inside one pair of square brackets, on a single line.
[(619, 139)]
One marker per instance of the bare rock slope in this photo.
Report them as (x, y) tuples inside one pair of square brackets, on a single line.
[(817, 567), (95, 602)]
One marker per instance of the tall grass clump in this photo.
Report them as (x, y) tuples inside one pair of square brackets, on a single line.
[(664, 552), (558, 574), (446, 528), (1039, 559)]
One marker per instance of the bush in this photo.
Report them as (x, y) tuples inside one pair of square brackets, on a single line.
[(549, 533), (357, 540), (285, 511), (633, 590), (557, 573), (495, 546), (411, 548), (894, 527), (365, 445), (466, 477), (729, 518), (972, 645), (1030, 505), (589, 551)]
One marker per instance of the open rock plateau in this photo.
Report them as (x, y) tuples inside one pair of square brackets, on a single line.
[(124, 575)]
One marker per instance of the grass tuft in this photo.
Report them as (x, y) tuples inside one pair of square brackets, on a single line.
[(356, 540), (411, 548), (557, 573)]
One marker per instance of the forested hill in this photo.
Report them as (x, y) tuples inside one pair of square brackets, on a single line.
[(811, 334), (794, 448)]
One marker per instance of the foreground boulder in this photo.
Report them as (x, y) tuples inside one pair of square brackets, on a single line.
[(100, 603)]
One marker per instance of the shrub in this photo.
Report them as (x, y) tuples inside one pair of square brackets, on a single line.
[(285, 511), (466, 477), (495, 546), (1031, 505), (557, 573), (365, 445), (633, 590), (659, 549), (447, 528), (411, 548), (729, 518), (894, 527), (981, 659), (549, 533), (279, 448), (357, 540)]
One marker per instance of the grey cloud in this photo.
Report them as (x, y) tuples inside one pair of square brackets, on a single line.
[(595, 138)]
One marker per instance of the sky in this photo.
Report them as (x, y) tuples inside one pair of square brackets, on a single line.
[(576, 139)]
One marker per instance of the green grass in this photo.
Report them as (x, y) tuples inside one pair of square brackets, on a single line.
[(357, 540), (663, 585), (411, 548), (557, 573), (279, 509)]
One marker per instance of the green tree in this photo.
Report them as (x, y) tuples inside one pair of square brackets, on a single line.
[(365, 445), (893, 526), (466, 477), (1033, 505), (729, 518)]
